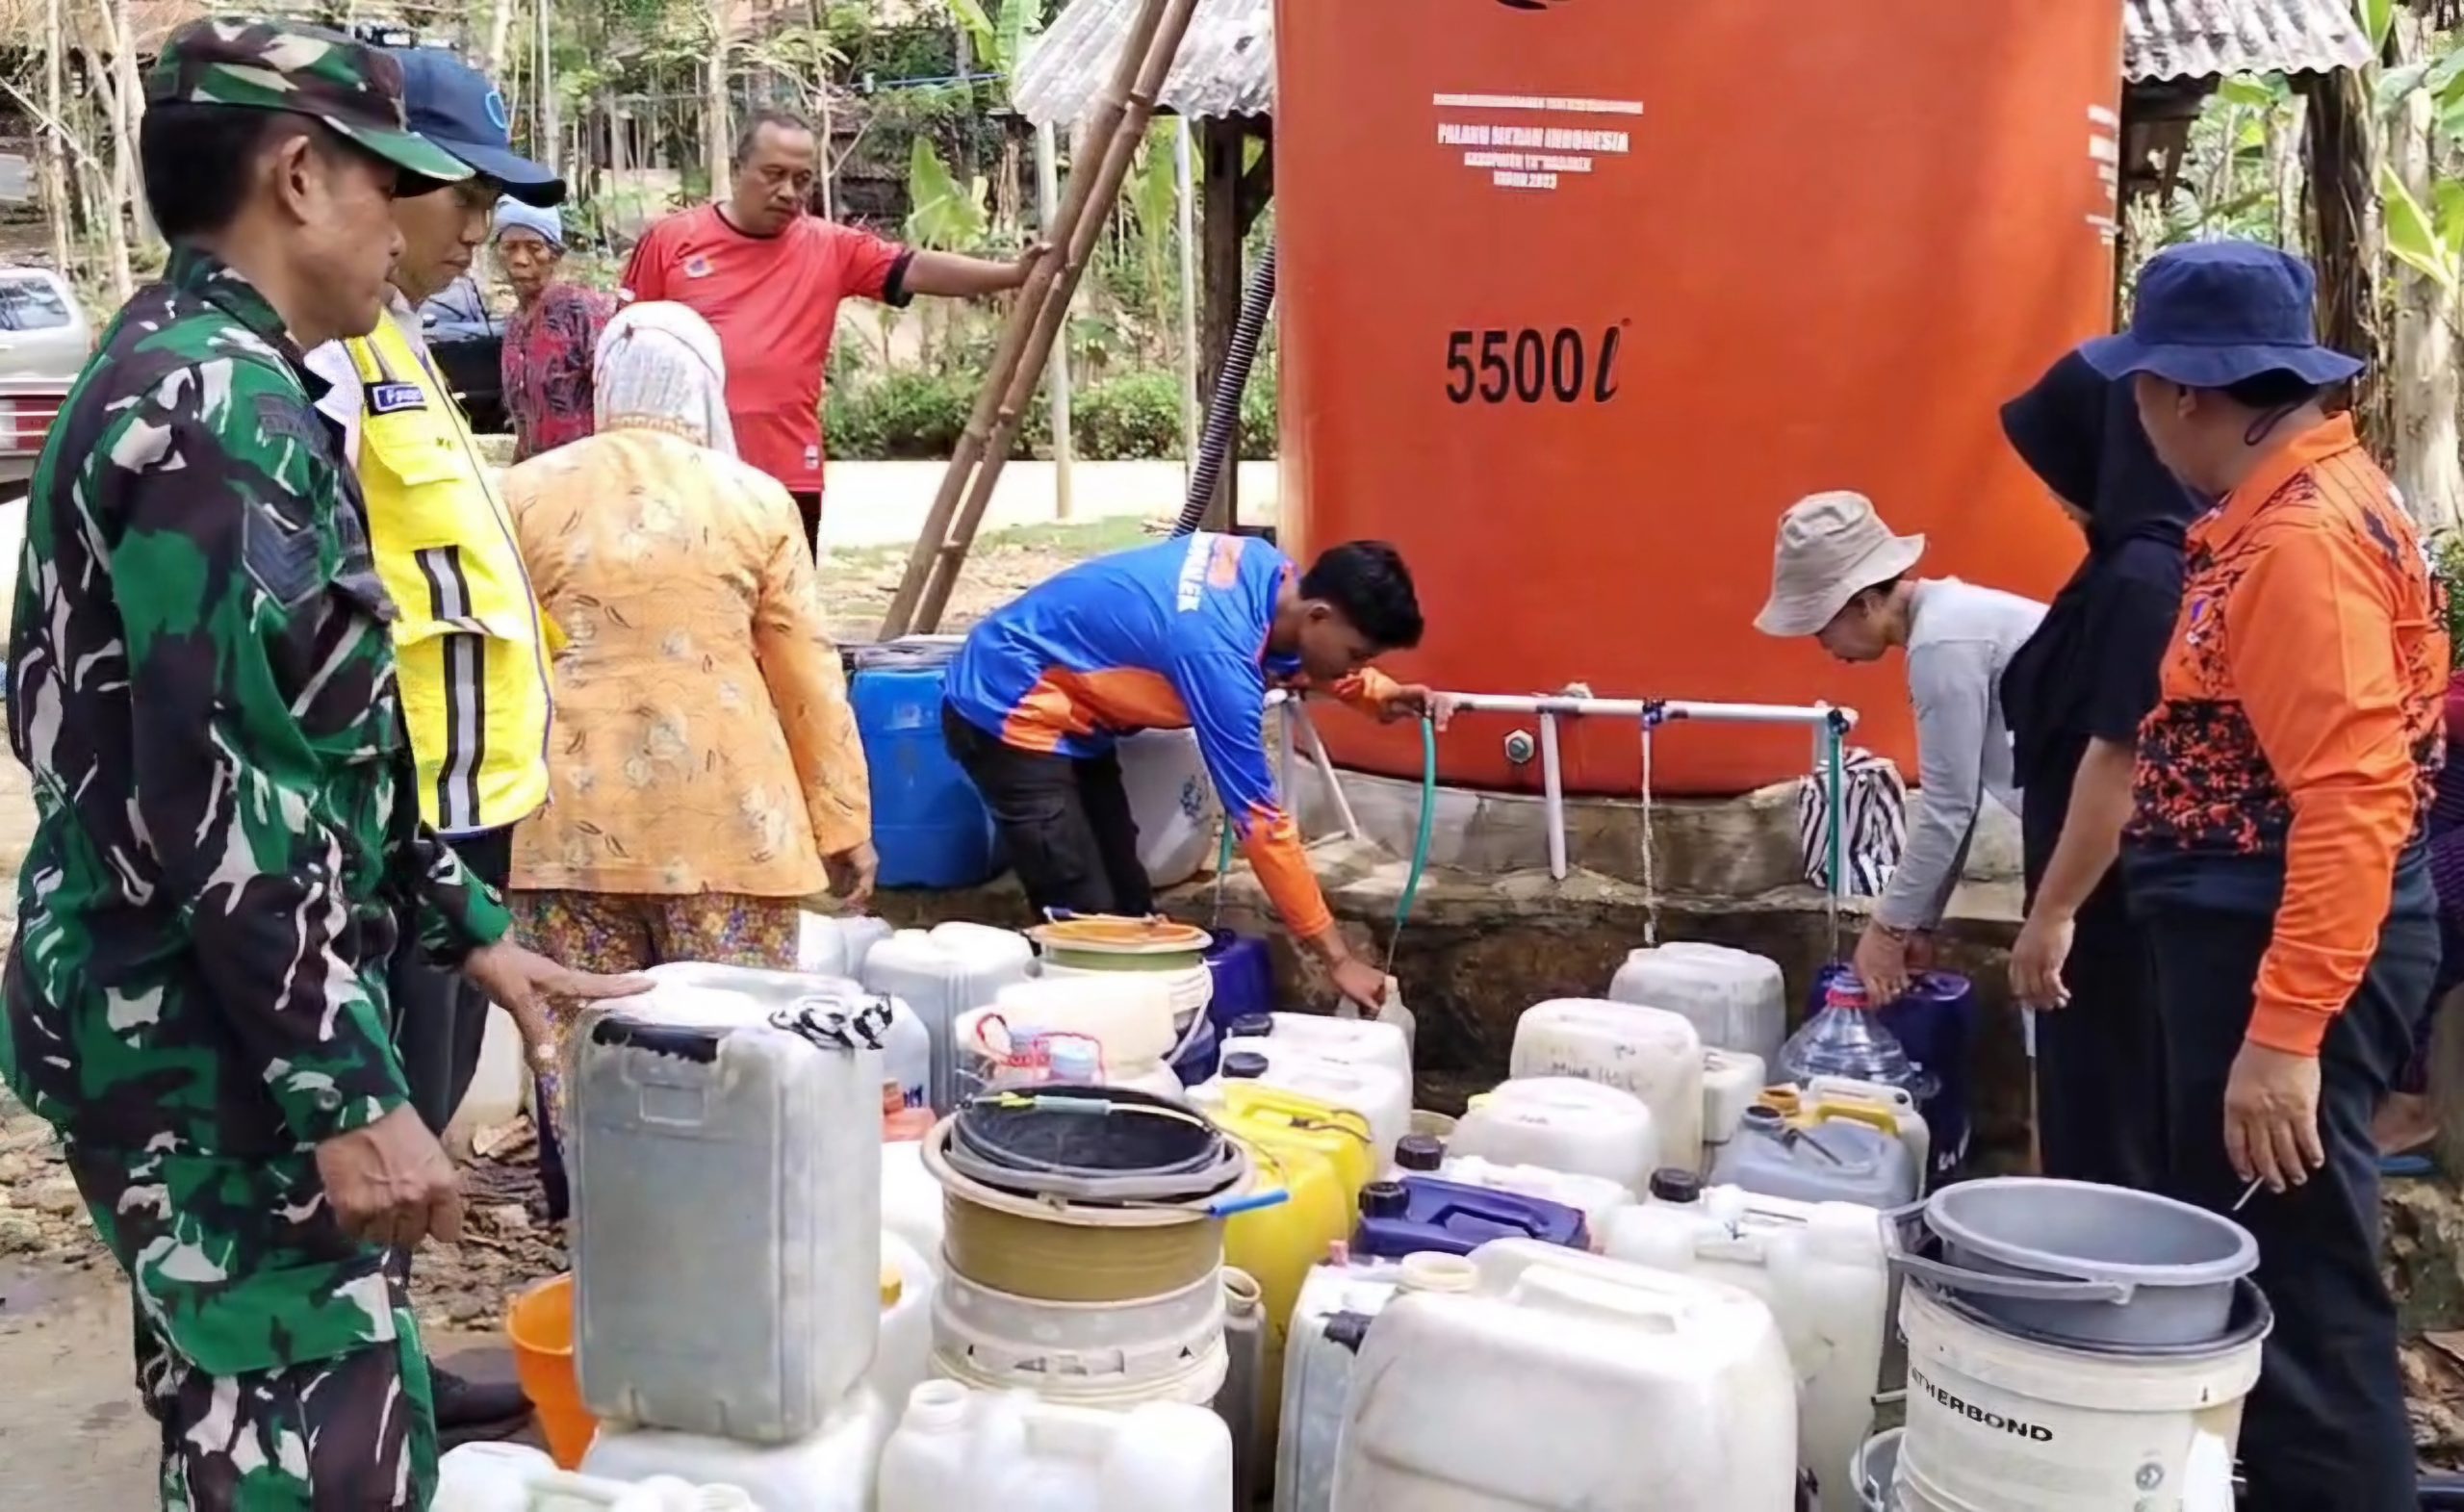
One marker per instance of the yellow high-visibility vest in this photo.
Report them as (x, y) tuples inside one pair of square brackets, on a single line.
[(472, 643)]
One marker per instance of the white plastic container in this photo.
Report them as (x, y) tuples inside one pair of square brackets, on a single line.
[(944, 971), (904, 1358), (1190, 989), (1826, 1098), (1596, 1197), (998, 1047), (1839, 1160), (1735, 999), (1568, 1382), (515, 1477), (1129, 1014), (726, 1267), (1112, 1355), (1318, 1360), (960, 1449), (1564, 1124), (1651, 1052), (1173, 802), (2002, 1423), (829, 945), (913, 1208), (1821, 1269), (1731, 1080), (1372, 1089), (1346, 1042), (830, 1470), (499, 1090), (1391, 1011)]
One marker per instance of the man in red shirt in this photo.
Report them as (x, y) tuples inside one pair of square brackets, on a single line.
[(769, 278)]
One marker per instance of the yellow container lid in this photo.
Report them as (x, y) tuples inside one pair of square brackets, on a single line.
[(1116, 935)]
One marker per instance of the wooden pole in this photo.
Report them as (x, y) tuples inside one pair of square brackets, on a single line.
[(932, 540), (1056, 379), (544, 68), (1226, 142), (1127, 138), (1184, 208)]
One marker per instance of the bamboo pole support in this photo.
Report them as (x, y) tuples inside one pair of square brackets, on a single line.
[(1118, 156), (1043, 305)]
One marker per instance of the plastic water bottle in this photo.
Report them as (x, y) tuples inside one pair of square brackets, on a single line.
[(1845, 1039)]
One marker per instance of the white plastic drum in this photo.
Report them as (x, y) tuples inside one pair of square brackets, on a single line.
[(944, 971), (962, 1449), (1999, 1424), (1819, 1267), (1566, 1381), (1097, 1354), (1735, 999), (1564, 1124), (830, 1470), (1650, 1052), (1173, 802)]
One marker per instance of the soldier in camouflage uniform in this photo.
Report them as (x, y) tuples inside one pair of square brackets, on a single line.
[(201, 682)]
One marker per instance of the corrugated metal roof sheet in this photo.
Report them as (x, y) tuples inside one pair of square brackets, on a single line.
[(2195, 38), (1226, 65)]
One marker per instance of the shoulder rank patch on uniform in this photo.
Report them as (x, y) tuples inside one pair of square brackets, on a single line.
[(393, 398), (283, 418)]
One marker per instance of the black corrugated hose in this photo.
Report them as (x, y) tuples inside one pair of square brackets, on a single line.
[(1223, 409)]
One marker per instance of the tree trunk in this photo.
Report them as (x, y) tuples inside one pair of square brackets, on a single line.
[(544, 80), (717, 135), (127, 104), (53, 150), (2347, 232), (2422, 383), (500, 37)]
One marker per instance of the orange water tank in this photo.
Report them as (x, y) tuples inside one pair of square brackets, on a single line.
[(1579, 295)]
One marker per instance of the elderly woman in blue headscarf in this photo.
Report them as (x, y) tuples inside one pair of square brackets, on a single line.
[(548, 343), (2074, 695)]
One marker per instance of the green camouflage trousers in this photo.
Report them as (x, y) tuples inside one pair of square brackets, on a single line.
[(351, 1430)]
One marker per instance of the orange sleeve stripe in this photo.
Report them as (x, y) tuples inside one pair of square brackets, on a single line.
[(2317, 672), (1270, 843), (1064, 704)]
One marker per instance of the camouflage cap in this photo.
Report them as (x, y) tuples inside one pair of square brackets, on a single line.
[(355, 90)]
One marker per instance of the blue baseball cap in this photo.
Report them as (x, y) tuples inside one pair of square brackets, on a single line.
[(2211, 314), (454, 105)]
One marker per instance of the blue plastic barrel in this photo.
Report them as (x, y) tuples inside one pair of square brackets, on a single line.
[(1936, 1022), (929, 824), (1244, 978), (1421, 1215)]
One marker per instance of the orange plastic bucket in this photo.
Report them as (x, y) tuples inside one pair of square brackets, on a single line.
[(540, 1323)]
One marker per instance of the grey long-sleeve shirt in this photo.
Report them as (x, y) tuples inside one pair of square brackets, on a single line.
[(1960, 639)]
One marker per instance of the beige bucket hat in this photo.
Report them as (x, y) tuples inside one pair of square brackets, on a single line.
[(1832, 548)]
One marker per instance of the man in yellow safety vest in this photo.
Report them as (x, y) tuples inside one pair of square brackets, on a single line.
[(473, 644)]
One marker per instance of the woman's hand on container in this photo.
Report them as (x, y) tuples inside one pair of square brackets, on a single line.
[(2037, 959), (2271, 1116), (853, 872), (1880, 964), (521, 980)]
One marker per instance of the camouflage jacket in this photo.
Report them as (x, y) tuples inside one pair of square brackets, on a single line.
[(201, 681)]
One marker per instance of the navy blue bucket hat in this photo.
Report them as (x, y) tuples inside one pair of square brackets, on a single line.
[(454, 105), (2212, 314)]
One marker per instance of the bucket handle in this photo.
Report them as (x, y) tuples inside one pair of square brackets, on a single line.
[(2020, 1288)]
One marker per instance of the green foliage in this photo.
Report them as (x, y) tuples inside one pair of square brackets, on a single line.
[(942, 215), (2447, 559), (919, 417)]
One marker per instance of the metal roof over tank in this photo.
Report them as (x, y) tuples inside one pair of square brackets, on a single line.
[(1226, 66)]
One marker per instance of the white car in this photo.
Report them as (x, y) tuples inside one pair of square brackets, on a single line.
[(44, 339)]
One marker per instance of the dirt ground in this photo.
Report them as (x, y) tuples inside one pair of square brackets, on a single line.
[(858, 584)]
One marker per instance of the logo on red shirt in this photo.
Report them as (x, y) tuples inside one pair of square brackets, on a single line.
[(697, 266)]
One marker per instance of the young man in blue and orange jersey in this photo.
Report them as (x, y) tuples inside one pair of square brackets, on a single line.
[(1190, 632)]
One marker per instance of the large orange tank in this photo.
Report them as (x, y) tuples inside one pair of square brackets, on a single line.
[(1579, 295)]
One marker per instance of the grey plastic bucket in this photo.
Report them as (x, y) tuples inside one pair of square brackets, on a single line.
[(2075, 1260), (1875, 1468)]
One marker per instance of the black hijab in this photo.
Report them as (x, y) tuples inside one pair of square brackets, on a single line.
[(2090, 668)]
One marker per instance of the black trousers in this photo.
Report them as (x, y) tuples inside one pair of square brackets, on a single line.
[(808, 506), (2327, 1427), (1064, 821), (2101, 1060), (440, 1020)]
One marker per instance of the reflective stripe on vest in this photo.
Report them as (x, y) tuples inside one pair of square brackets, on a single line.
[(474, 646)]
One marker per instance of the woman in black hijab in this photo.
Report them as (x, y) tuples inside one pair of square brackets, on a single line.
[(2074, 695)]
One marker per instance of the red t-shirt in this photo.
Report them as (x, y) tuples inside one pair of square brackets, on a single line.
[(774, 301)]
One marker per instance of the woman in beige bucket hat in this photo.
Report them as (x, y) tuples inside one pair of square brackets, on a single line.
[(1841, 575)]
